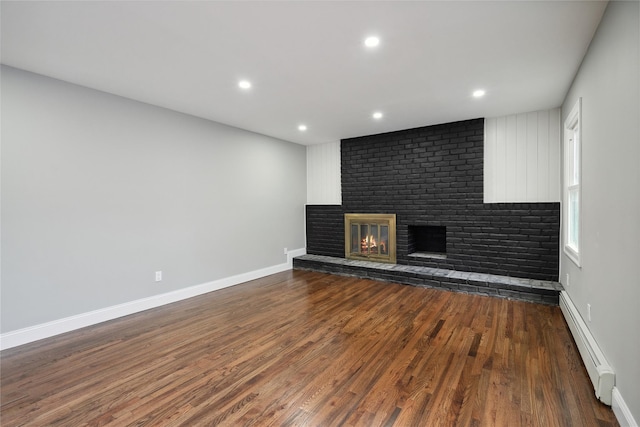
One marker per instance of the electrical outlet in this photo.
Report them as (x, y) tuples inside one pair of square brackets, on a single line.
[(285, 251), (589, 312), (158, 276)]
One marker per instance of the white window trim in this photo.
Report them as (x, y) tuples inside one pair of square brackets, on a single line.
[(573, 124)]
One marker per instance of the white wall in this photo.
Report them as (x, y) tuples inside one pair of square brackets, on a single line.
[(99, 192), (522, 157), (324, 185), (609, 280)]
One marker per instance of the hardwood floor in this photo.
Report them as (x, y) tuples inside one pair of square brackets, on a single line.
[(309, 349)]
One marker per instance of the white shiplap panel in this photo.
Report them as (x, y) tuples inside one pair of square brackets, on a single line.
[(489, 159), (501, 158), (336, 173), (323, 174), (543, 156), (555, 150), (522, 155), (313, 154), (531, 143), (511, 158)]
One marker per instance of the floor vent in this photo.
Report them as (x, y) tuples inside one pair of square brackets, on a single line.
[(601, 374)]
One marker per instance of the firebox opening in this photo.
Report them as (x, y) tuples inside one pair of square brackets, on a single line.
[(427, 241)]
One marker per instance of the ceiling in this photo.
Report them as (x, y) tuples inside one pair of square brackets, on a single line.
[(307, 61)]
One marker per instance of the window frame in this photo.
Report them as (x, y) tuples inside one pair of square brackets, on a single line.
[(572, 183)]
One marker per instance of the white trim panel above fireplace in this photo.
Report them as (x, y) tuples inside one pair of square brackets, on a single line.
[(323, 174), (522, 157)]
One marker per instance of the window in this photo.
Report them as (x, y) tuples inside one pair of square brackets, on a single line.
[(572, 181)]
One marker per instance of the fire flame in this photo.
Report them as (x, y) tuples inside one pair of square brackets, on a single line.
[(369, 241), (369, 244)]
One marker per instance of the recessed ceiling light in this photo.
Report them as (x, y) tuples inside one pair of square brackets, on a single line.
[(302, 128), (372, 41), (377, 115), (479, 93), (244, 84)]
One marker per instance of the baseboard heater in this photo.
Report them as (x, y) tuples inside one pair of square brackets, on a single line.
[(601, 374)]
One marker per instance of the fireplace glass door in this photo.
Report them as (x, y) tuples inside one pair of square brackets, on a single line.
[(370, 236)]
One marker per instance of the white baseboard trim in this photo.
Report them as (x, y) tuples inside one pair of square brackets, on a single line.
[(294, 253), (68, 324), (621, 410)]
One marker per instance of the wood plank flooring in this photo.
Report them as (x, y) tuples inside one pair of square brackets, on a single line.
[(309, 349)]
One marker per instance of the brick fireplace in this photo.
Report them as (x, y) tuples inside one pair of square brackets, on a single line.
[(431, 178)]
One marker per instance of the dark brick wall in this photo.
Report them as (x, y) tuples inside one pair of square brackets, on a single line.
[(325, 230), (434, 176)]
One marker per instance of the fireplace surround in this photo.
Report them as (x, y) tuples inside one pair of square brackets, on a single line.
[(433, 176)]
